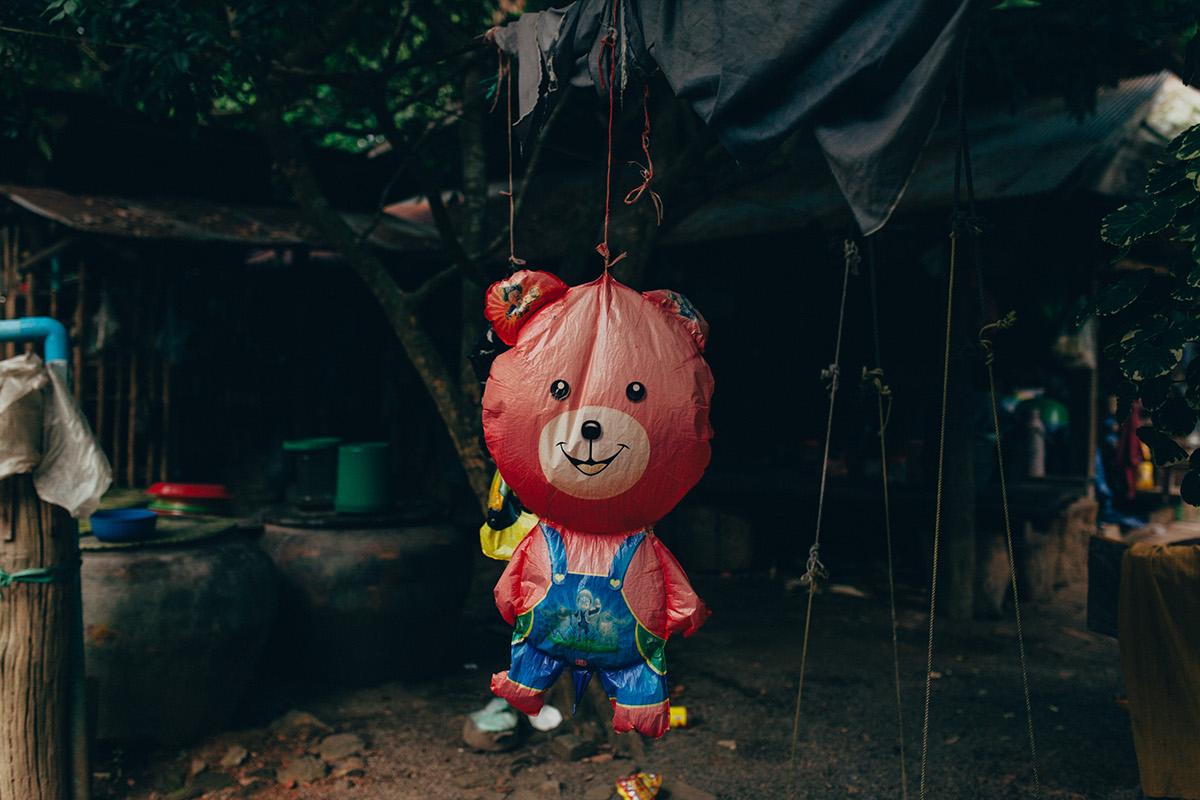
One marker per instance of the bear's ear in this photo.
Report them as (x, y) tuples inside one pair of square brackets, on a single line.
[(678, 307), (511, 302)]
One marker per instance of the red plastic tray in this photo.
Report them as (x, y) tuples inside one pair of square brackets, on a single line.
[(191, 491)]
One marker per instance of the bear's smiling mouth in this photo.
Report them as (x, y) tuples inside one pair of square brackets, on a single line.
[(590, 466)]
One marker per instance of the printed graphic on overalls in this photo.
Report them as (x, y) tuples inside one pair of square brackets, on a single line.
[(588, 627)]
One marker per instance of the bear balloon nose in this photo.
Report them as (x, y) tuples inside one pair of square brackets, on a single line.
[(591, 430)]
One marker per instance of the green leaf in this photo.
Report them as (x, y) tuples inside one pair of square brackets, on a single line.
[(1144, 329), (1186, 145), (1189, 489), (1188, 330), (1185, 293), (1187, 231), (1135, 221), (1121, 294), (1164, 175), (1154, 392), (1150, 360), (1175, 418), (1084, 314), (1164, 451)]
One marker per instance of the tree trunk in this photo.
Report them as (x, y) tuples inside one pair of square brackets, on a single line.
[(398, 306), (37, 627)]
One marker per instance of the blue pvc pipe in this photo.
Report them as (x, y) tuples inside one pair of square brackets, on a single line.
[(37, 328)]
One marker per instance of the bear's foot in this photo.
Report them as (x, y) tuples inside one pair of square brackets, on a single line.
[(523, 698)]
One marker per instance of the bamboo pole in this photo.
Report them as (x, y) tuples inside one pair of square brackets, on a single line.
[(10, 284), (118, 399), (30, 283), (165, 454), (80, 335), (135, 360), (36, 630), (153, 366), (101, 382)]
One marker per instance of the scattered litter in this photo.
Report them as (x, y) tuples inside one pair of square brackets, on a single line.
[(497, 715), (547, 719), (234, 756), (847, 590), (641, 786), (728, 744), (492, 728)]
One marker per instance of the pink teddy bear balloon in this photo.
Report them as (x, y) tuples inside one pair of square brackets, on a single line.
[(598, 420)]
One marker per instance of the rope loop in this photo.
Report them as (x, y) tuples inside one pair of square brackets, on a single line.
[(829, 378), (872, 379), (814, 569), (35, 575), (989, 352), (647, 172), (963, 222)]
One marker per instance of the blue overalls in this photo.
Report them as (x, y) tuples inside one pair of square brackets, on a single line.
[(585, 623)]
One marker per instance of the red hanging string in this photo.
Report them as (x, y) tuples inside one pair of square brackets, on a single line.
[(609, 42), (648, 170)]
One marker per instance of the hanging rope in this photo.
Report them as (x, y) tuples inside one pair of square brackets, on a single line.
[(937, 521), (884, 392), (814, 569), (647, 172), (967, 223), (505, 74), (989, 358), (609, 43)]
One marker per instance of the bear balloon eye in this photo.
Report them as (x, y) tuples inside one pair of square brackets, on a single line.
[(560, 389), (635, 392)]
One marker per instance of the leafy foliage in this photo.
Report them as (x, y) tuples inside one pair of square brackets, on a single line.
[(1158, 312), (347, 70)]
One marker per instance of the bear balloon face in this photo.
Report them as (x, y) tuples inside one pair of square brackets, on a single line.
[(598, 415)]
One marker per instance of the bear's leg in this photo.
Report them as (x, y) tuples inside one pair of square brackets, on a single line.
[(639, 698), (527, 679)]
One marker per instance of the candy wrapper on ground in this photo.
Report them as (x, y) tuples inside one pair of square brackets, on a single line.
[(642, 786), (597, 418)]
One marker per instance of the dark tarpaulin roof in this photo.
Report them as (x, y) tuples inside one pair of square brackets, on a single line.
[(866, 77)]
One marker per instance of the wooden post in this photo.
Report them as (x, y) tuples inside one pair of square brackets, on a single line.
[(37, 625)]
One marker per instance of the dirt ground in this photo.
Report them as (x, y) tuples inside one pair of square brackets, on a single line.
[(738, 679)]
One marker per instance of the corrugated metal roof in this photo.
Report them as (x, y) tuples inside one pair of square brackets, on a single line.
[(193, 220)]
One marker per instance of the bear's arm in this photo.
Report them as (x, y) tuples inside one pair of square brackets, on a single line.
[(686, 612), (526, 578)]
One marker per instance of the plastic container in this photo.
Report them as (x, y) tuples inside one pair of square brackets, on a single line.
[(123, 524), (363, 485), (314, 471), (190, 498)]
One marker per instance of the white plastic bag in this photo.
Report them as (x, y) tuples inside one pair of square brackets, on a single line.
[(43, 431), (74, 472), (22, 401)]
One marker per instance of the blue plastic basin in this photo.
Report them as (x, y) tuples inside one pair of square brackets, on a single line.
[(123, 524)]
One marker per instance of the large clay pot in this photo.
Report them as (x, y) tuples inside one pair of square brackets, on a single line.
[(173, 628), (365, 600)]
